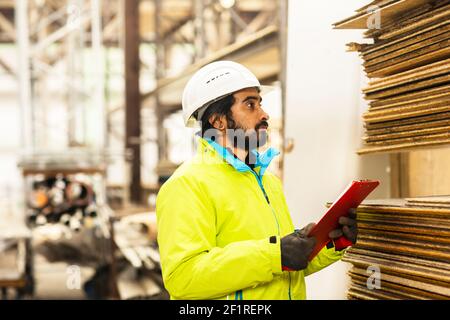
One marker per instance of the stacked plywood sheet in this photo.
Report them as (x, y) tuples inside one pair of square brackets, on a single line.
[(408, 241), (408, 65)]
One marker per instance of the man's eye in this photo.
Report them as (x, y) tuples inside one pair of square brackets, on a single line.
[(251, 105)]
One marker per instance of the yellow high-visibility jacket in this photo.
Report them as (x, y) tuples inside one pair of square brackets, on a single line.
[(215, 218)]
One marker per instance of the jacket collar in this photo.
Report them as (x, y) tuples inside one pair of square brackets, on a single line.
[(263, 160)]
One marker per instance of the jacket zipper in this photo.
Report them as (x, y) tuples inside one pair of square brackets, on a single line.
[(258, 178)]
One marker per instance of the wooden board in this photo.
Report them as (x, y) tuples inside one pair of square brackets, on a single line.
[(379, 3), (402, 53), (411, 60), (413, 211), (417, 22), (407, 128), (403, 235), (410, 245), (418, 85), (429, 202), (397, 206), (434, 69), (407, 229), (409, 63), (394, 267), (411, 133), (404, 111), (387, 12), (430, 205), (429, 174), (408, 113), (387, 285), (435, 199), (405, 249), (399, 290), (395, 91), (412, 282), (408, 292), (407, 121), (438, 223), (366, 293), (405, 241), (405, 259), (408, 66), (418, 139), (402, 100), (378, 49), (421, 17), (396, 231)]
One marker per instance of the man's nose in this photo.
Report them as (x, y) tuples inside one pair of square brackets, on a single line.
[(265, 115)]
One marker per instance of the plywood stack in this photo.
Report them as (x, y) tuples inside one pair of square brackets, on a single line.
[(408, 65), (408, 241)]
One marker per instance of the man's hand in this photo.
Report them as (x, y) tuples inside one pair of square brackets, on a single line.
[(296, 248), (305, 230), (349, 227)]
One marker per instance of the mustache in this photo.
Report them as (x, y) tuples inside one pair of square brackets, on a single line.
[(262, 124)]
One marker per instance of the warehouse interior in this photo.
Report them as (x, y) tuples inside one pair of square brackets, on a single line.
[(91, 128)]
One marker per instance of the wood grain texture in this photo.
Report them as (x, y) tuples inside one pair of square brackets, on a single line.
[(408, 244), (372, 52), (408, 65)]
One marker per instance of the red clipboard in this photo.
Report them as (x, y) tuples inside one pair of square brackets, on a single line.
[(352, 197)]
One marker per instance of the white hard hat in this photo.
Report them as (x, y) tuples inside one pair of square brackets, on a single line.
[(212, 82)]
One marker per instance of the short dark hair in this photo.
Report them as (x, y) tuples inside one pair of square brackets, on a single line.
[(218, 109)]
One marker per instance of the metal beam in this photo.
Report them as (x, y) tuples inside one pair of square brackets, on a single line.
[(258, 22), (7, 4), (159, 74), (6, 67), (98, 55), (7, 26), (132, 96), (111, 28), (282, 76), (59, 34), (48, 20), (199, 26), (177, 26), (27, 134), (237, 19)]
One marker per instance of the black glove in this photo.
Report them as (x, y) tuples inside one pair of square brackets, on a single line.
[(296, 248), (349, 227)]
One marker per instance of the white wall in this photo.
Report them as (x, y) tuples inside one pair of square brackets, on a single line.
[(323, 114)]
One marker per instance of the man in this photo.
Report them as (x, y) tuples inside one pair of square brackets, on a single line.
[(224, 228)]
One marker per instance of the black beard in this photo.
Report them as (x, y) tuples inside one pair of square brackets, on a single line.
[(246, 139)]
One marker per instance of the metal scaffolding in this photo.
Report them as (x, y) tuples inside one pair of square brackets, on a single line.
[(61, 87), (56, 53)]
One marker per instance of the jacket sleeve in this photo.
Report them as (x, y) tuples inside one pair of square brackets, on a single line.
[(323, 259), (193, 266)]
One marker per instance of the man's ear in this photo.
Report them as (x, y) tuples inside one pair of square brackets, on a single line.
[(218, 122)]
